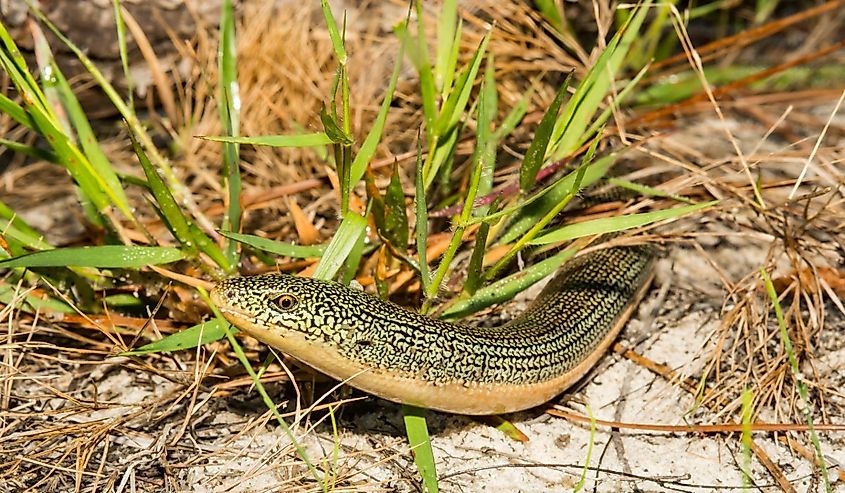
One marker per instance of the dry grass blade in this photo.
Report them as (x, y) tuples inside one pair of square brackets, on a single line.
[(75, 415)]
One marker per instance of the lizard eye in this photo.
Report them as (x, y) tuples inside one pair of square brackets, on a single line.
[(286, 302)]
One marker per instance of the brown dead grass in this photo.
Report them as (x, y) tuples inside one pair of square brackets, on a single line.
[(69, 424)]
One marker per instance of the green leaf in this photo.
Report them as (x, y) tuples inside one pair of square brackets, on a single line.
[(453, 108), (473, 280), (124, 300), (569, 131), (420, 443), (536, 154), (124, 54), (395, 218), (348, 233), (446, 30), (104, 257), (172, 214), (15, 112), (486, 142), (178, 188), (277, 247), (515, 116), (31, 302), (334, 33), (230, 110), (333, 130), (621, 96), (646, 190), (353, 260), (417, 50), (102, 168), (368, 148), (613, 224), (301, 140), (210, 331), (15, 227), (47, 123), (32, 240), (539, 204), (16, 67), (35, 152), (505, 289), (421, 226), (376, 202), (550, 11)]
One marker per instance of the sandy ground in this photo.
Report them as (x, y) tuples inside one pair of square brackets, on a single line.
[(142, 425)]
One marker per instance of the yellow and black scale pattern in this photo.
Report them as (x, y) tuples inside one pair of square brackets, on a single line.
[(565, 323)]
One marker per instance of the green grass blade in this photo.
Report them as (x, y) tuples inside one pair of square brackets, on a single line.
[(230, 110), (620, 97), (505, 289), (348, 233), (421, 225), (31, 237), (551, 13), (446, 30), (452, 62), (796, 375), (395, 218), (613, 224), (428, 88), (549, 215), (210, 248), (514, 116), (646, 190), (124, 301), (368, 147), (265, 397), (457, 234), (580, 485), (46, 123), (30, 302), (444, 149), (170, 210), (104, 257), (102, 168), (204, 333), (536, 154), (178, 188), (32, 240), (473, 280), (747, 416), (538, 205), (277, 247), (486, 141), (15, 112), (184, 230), (334, 33), (353, 260), (420, 443), (570, 128), (35, 152), (124, 56), (454, 107), (17, 67), (301, 140), (334, 131)]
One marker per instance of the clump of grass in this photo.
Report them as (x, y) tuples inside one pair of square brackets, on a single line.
[(458, 92)]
